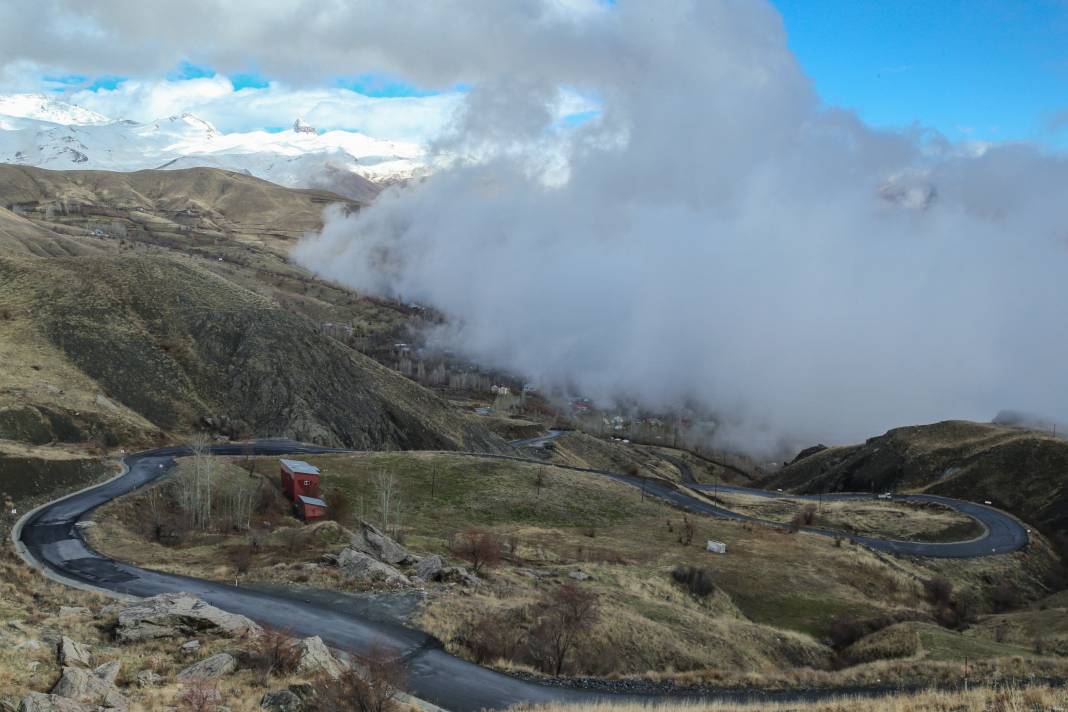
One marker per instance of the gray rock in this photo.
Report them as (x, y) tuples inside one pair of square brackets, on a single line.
[(74, 611), (148, 678), (83, 686), (30, 644), (190, 647), (108, 672), (40, 702), (316, 658), (580, 575), (173, 614), (209, 668), (363, 567), (282, 701), (429, 567), (304, 690), (458, 574), (370, 540), (71, 653)]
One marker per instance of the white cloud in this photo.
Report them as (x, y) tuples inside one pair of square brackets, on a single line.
[(722, 239), (252, 108)]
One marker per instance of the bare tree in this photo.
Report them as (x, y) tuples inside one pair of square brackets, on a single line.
[(195, 489), (564, 615), (389, 504), (480, 548)]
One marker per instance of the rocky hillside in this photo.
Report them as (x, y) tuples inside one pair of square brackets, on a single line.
[(120, 322), (1022, 471)]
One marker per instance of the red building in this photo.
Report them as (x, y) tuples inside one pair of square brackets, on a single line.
[(310, 508), (299, 478)]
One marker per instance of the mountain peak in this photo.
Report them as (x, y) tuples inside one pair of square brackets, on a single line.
[(302, 126), (42, 107)]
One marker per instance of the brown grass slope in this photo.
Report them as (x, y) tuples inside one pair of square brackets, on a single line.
[(174, 342), (1022, 471), (205, 199), (140, 303)]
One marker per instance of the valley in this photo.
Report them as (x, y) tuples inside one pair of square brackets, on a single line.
[(153, 308)]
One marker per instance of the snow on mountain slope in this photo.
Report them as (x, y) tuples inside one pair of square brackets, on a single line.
[(47, 108), (346, 162)]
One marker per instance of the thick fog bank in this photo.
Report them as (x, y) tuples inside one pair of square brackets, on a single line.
[(716, 235)]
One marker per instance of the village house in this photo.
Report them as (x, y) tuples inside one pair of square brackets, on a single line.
[(310, 509), (300, 483)]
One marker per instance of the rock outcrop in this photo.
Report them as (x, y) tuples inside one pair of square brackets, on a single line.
[(363, 567), (429, 568), (316, 658), (179, 614), (83, 686), (370, 540), (71, 653), (216, 666), (40, 702)]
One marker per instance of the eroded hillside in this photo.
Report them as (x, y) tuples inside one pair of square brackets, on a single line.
[(138, 305)]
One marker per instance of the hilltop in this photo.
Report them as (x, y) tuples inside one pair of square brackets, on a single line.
[(1022, 471), (143, 304)]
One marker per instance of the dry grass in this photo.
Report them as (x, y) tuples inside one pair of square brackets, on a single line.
[(776, 598), (893, 520), (983, 699)]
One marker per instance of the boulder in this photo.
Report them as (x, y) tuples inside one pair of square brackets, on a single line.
[(282, 701), (65, 611), (173, 614), (108, 672), (458, 574), (83, 686), (148, 678), (72, 653), (370, 540), (427, 569), (580, 575), (363, 567), (190, 648), (316, 658), (40, 702), (209, 668)]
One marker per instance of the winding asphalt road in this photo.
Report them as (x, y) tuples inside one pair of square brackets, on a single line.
[(50, 539)]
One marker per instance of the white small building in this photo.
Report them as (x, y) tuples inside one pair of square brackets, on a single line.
[(716, 547)]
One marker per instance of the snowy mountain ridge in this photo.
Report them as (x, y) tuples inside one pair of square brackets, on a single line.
[(37, 130)]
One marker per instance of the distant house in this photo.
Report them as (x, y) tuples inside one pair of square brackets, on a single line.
[(716, 547), (310, 509), (299, 479)]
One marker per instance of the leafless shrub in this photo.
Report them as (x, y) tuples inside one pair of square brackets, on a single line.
[(591, 532), (6, 315), (686, 531), (241, 558), (479, 548), (1005, 596), (494, 636), (339, 505), (938, 590), (697, 581), (199, 696), (808, 514), (374, 691), (563, 616), (273, 652)]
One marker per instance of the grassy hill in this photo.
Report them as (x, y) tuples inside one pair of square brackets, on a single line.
[(133, 305), (1022, 471)]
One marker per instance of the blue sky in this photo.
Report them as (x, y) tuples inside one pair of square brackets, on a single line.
[(982, 69)]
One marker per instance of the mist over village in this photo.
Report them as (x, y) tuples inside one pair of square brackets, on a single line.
[(541, 356)]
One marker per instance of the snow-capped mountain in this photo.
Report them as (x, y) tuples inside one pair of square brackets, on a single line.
[(47, 108), (37, 130)]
